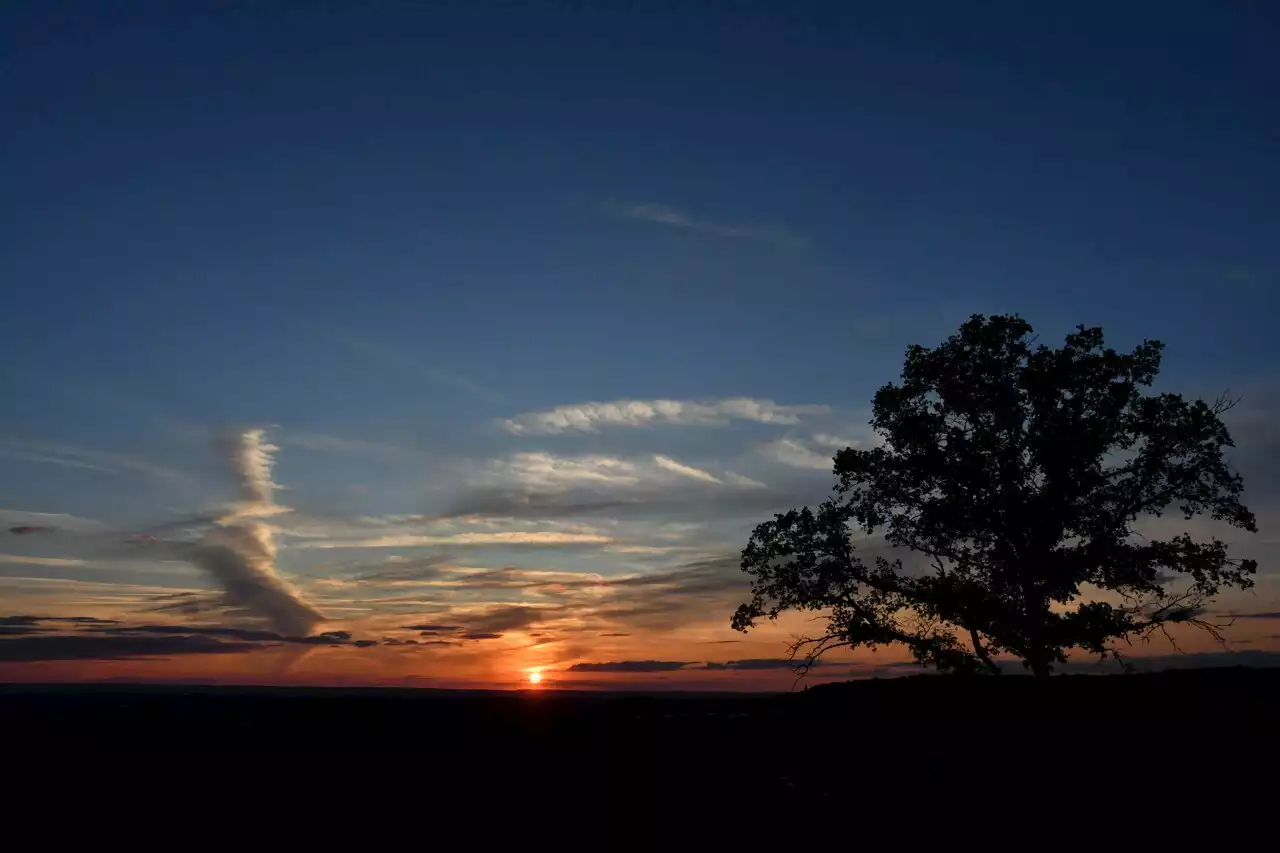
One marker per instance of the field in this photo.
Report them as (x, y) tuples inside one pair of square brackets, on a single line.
[(820, 743)]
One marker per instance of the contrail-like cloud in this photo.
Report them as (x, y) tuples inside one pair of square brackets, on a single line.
[(240, 551), (249, 458), (237, 550)]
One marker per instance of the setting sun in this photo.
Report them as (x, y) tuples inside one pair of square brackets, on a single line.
[(535, 678)]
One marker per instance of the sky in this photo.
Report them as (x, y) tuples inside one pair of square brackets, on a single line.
[(442, 344)]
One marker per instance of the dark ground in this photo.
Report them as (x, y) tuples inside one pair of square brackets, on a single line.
[(810, 747)]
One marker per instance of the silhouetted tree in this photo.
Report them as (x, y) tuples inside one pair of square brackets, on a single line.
[(1017, 471)]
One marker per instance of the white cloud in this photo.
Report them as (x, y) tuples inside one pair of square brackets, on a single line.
[(664, 215), (651, 549), (509, 537), (796, 454), (590, 417), (835, 442), (742, 482), (250, 458), (669, 464), (552, 474)]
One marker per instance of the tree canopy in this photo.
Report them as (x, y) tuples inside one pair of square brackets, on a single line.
[(1017, 471)]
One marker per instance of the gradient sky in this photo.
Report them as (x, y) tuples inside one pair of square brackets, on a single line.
[(426, 248)]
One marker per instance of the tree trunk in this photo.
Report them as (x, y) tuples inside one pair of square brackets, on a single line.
[(1040, 668), (982, 653)]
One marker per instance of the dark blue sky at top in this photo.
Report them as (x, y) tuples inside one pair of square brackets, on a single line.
[(399, 220)]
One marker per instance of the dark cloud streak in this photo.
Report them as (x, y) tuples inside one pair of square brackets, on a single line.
[(106, 647), (76, 620), (631, 666), (27, 639)]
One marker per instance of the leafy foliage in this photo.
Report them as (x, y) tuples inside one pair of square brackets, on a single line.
[(1018, 470)]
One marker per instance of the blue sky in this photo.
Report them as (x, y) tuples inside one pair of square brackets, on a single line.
[(380, 233)]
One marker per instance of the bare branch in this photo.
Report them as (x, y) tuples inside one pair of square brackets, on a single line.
[(1224, 403)]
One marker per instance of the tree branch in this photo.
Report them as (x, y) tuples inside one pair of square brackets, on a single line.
[(982, 653)]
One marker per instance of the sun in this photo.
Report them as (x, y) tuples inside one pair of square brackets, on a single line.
[(535, 678)]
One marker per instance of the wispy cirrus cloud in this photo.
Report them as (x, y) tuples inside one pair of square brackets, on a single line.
[(505, 537), (388, 357), (558, 604), (70, 588), (550, 472), (323, 443), (418, 531), (592, 416), (70, 456), (55, 562), (657, 550), (9, 452), (739, 495), (542, 484), (542, 472), (672, 217)]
